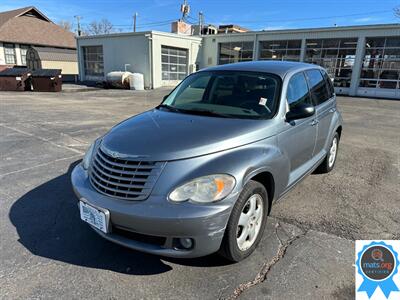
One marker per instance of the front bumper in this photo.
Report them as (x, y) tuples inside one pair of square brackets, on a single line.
[(158, 217)]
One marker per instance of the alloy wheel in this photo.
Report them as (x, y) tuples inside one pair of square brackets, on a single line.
[(332, 153), (250, 221)]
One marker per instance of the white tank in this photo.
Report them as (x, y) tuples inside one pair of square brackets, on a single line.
[(118, 79), (136, 81)]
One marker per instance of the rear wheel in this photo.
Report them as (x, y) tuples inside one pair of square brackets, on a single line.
[(247, 222), (329, 162)]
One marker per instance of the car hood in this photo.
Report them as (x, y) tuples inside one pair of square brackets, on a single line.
[(161, 135)]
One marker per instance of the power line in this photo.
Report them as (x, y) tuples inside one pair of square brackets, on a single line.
[(194, 21), (142, 24), (159, 25), (310, 19), (191, 22), (151, 23)]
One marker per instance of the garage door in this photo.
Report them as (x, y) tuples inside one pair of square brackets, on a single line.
[(380, 73), (174, 65)]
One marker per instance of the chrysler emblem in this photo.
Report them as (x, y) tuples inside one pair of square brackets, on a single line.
[(116, 154)]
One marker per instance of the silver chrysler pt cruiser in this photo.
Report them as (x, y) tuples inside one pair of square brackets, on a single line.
[(198, 174)]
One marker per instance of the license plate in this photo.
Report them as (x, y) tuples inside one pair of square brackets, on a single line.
[(93, 216)]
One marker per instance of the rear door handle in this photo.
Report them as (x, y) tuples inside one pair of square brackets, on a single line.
[(314, 122), (332, 110)]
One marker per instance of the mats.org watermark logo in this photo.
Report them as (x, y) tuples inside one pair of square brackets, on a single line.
[(377, 270)]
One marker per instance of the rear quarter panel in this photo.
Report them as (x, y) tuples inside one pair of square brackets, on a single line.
[(336, 122)]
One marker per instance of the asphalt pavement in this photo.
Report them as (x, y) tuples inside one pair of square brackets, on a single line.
[(307, 251)]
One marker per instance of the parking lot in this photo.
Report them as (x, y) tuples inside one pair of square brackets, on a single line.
[(47, 252)]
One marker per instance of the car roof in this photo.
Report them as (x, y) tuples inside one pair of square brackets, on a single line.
[(280, 68)]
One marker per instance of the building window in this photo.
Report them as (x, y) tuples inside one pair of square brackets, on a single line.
[(337, 56), (280, 50), (174, 63), (93, 60), (381, 63), (9, 53), (23, 49), (235, 52)]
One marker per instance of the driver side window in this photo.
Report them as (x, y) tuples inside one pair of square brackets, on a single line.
[(297, 92)]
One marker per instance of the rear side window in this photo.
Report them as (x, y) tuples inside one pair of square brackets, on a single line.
[(319, 91), (297, 92), (329, 84)]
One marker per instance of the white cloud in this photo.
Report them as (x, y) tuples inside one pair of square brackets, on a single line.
[(366, 20), (275, 27)]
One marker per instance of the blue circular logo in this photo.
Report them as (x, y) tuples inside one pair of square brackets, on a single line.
[(377, 263)]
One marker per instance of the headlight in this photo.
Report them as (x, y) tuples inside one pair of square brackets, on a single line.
[(88, 157), (204, 189)]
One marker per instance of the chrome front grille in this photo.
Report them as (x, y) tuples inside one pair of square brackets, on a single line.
[(123, 178)]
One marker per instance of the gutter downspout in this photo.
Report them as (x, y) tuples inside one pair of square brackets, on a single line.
[(150, 37), (81, 70), (255, 47)]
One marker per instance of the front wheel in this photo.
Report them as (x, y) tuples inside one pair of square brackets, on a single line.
[(247, 222)]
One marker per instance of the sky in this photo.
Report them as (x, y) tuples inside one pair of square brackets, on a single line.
[(252, 14)]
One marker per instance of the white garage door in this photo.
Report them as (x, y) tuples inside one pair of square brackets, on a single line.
[(380, 73), (174, 65)]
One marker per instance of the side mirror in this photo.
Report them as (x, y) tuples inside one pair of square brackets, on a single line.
[(301, 111), (165, 97)]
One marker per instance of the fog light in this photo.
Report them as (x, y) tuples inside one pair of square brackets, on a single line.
[(186, 243)]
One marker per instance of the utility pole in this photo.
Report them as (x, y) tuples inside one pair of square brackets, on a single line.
[(201, 22), (185, 9), (78, 22), (134, 21)]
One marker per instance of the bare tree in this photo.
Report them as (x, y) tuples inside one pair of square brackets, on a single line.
[(397, 11), (67, 25), (100, 27)]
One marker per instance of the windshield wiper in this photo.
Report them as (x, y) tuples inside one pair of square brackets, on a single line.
[(200, 112), (204, 112), (168, 107)]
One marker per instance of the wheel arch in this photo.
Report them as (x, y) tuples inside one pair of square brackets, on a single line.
[(339, 130), (267, 180)]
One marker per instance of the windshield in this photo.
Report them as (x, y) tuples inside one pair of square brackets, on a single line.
[(233, 94)]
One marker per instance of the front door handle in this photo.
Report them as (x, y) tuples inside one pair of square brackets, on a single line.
[(314, 122), (332, 110)]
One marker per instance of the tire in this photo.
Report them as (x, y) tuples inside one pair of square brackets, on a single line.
[(231, 248), (328, 164)]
